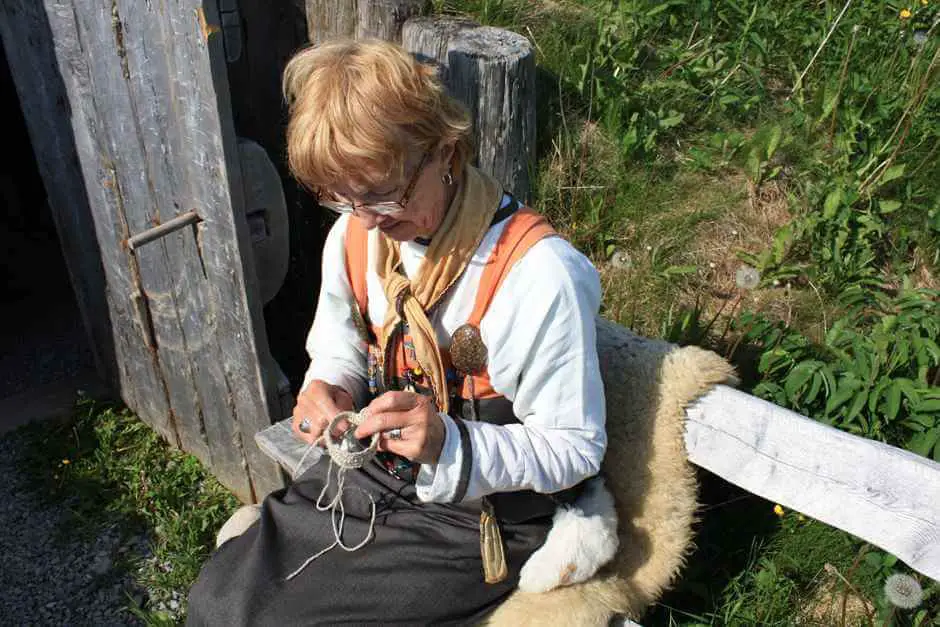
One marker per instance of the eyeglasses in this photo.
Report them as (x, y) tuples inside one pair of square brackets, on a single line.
[(389, 208)]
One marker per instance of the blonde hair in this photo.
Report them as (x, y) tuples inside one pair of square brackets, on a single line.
[(359, 108)]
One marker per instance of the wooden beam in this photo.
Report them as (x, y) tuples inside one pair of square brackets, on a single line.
[(882, 494)]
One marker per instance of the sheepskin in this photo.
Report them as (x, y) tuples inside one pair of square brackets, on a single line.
[(648, 385)]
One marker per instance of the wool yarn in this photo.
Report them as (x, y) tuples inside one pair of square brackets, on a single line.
[(345, 459)]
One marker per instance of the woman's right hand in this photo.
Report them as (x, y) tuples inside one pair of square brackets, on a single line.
[(319, 403)]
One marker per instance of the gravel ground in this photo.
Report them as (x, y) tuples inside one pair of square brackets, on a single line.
[(45, 580)]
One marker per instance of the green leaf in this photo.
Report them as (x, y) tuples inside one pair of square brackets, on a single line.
[(776, 134), (679, 270), (782, 239), (657, 10), (893, 399), (674, 119), (929, 406), (893, 172), (798, 377), (923, 442), (832, 203), (857, 405), (847, 388), (887, 206), (814, 387)]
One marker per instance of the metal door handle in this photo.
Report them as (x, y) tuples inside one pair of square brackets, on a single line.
[(175, 224)]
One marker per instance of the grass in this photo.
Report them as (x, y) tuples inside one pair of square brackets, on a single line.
[(680, 141), (111, 468)]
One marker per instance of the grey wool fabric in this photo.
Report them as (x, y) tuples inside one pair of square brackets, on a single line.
[(423, 563)]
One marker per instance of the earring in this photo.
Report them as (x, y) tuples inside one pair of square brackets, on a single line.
[(447, 179)]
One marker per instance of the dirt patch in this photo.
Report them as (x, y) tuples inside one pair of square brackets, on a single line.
[(833, 602)]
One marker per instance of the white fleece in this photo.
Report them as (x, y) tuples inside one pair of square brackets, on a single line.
[(540, 336)]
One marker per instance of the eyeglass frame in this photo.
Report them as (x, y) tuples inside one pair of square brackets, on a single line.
[(387, 208)]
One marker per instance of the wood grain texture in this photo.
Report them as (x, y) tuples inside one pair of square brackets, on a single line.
[(293, 455), (885, 495), (383, 19), (492, 72), (153, 138), (62, 28), (428, 38), (327, 19), (241, 339)]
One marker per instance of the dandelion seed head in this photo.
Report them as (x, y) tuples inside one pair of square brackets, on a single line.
[(747, 278), (903, 591), (648, 248), (920, 37), (621, 259), (711, 264)]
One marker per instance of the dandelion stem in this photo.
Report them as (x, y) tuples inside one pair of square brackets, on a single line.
[(799, 81)]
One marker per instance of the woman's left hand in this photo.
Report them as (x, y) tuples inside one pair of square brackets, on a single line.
[(421, 429)]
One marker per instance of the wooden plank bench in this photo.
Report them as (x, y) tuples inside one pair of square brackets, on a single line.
[(882, 494)]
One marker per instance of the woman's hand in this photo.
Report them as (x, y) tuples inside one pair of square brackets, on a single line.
[(319, 403), (422, 430)]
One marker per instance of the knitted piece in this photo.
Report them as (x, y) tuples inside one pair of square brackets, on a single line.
[(345, 460)]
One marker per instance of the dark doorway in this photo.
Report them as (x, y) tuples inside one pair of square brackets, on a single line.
[(44, 351)]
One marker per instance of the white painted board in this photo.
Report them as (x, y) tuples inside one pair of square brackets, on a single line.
[(882, 494)]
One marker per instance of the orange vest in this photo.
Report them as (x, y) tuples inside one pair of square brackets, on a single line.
[(523, 229)]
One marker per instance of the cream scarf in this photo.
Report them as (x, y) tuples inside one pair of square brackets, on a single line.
[(466, 222)]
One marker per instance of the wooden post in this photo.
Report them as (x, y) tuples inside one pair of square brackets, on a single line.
[(492, 71), (428, 37), (327, 19), (384, 18)]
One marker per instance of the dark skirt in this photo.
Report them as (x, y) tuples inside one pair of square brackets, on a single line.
[(423, 565)]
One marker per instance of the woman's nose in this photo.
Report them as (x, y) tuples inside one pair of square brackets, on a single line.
[(371, 219)]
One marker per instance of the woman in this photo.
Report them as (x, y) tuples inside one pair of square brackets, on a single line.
[(461, 326)]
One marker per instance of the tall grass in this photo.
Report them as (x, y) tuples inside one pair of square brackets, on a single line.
[(683, 142)]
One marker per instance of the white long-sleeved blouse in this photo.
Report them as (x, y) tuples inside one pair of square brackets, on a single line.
[(540, 336)]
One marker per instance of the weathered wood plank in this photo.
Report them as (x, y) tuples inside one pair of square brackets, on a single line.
[(241, 336), (140, 384), (492, 72), (103, 35), (383, 19), (327, 19), (173, 273), (885, 495), (27, 38), (293, 455)]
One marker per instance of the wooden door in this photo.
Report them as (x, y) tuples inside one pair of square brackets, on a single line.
[(149, 137)]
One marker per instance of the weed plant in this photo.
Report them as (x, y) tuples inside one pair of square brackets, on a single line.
[(760, 178)]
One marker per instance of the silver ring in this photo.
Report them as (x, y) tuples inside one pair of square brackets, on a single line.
[(304, 425), (393, 434)]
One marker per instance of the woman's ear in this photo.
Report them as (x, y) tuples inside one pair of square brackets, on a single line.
[(447, 151)]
